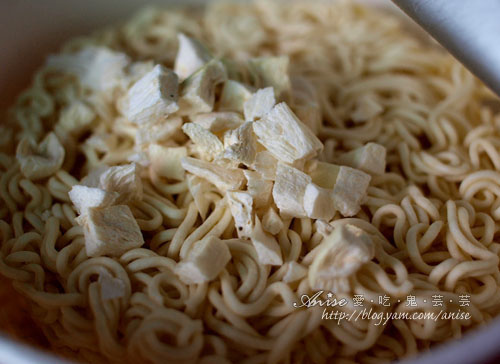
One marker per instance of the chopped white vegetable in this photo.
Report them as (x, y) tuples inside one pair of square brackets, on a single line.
[(285, 136), (318, 202), (84, 197), (294, 272), (42, 160), (204, 262), (218, 122), (350, 190), (340, 255), (207, 144), (271, 221), (259, 188), (241, 205), (265, 164), (166, 161), (97, 68), (259, 104), (124, 179), (234, 95), (271, 71), (349, 185), (324, 174), (111, 231), (223, 178), (152, 98), (93, 178), (191, 56), (199, 188), (369, 158), (266, 246), (157, 132), (289, 188), (240, 144), (197, 93)]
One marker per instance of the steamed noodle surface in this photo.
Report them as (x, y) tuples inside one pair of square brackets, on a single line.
[(433, 215)]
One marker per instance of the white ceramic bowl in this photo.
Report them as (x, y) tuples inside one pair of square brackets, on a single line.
[(32, 29)]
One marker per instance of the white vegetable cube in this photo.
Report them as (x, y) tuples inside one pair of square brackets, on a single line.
[(271, 71), (349, 190), (204, 262), (318, 202), (349, 185), (197, 93), (240, 144), (98, 68), (40, 161), (199, 188), (339, 256), (218, 122), (259, 104), (231, 137), (75, 118), (285, 136), (266, 246), (157, 131), (234, 95), (266, 165), (166, 161), (259, 188), (294, 272), (289, 188), (241, 205), (84, 197), (152, 98), (125, 180), (191, 56), (271, 221), (93, 178), (369, 158), (324, 174), (111, 231), (208, 145), (223, 178)]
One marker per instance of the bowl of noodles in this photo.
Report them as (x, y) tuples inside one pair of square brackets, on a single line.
[(244, 182)]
